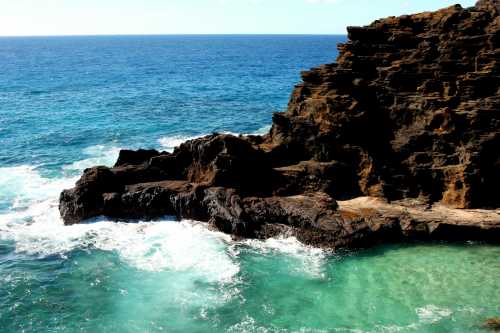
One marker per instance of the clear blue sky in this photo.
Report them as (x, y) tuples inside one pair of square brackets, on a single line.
[(80, 17)]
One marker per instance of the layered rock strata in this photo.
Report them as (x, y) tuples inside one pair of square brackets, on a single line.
[(399, 139)]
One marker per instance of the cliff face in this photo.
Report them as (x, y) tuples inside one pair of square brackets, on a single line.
[(412, 104), (409, 113)]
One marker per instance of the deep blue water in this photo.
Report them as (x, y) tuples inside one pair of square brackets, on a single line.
[(68, 103), (63, 94)]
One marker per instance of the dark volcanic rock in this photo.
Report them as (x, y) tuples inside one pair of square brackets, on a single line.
[(409, 113), (134, 157), (412, 104)]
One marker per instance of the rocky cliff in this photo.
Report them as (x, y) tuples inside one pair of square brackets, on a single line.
[(409, 116)]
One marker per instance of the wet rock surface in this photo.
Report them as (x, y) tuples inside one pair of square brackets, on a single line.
[(492, 324), (400, 139)]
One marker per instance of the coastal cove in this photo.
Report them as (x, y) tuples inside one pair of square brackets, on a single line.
[(176, 277), (233, 232), (179, 276)]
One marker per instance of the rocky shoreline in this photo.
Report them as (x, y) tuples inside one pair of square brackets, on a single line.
[(398, 140)]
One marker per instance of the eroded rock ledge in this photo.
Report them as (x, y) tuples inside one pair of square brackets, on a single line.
[(399, 139)]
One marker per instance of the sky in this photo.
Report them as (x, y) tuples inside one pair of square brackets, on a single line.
[(110, 17)]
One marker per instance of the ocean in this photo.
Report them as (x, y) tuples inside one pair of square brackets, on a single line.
[(68, 103)]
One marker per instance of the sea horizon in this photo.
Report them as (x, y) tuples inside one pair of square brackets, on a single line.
[(181, 35)]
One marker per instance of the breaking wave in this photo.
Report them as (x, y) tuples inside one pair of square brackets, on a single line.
[(31, 220)]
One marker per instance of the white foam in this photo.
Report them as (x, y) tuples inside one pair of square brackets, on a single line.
[(250, 325), (97, 155), (35, 227), (151, 246), (22, 186), (432, 313), (171, 142), (311, 261), (427, 315), (177, 246), (247, 325)]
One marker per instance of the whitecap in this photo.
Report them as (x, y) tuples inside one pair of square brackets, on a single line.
[(97, 155), (175, 246), (22, 186), (171, 142), (311, 260), (183, 254), (150, 246), (36, 229)]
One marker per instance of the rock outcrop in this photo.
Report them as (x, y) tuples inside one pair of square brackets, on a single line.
[(386, 144), (412, 104)]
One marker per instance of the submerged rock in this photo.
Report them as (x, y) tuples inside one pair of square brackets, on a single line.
[(409, 115), (492, 324)]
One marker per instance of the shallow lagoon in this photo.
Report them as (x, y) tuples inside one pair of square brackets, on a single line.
[(180, 277)]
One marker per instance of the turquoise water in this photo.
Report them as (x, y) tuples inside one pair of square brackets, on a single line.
[(69, 103)]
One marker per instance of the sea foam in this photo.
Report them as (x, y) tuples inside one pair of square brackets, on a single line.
[(171, 142), (310, 261), (22, 186), (36, 229), (96, 155), (152, 246)]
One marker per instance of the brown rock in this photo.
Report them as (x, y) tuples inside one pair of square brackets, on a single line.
[(492, 324), (412, 104), (402, 129)]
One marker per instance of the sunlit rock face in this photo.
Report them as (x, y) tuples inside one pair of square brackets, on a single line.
[(412, 104), (408, 113)]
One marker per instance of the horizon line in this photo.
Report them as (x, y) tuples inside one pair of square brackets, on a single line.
[(176, 34)]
